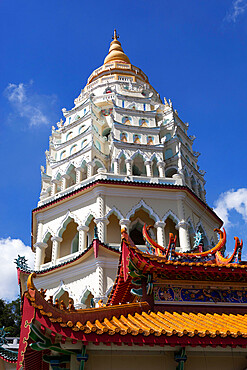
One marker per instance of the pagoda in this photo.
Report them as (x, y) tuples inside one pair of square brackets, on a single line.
[(126, 256)]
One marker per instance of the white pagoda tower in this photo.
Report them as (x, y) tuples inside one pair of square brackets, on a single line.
[(120, 157)]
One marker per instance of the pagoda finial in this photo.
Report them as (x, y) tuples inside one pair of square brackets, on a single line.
[(115, 35), (116, 52)]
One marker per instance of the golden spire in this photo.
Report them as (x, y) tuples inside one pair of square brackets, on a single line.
[(116, 52)]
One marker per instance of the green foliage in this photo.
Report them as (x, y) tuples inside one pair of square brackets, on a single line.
[(10, 317)]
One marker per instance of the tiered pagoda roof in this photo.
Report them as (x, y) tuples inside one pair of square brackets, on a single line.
[(131, 317)]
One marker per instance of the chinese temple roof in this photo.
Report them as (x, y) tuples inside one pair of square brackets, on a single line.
[(136, 323)]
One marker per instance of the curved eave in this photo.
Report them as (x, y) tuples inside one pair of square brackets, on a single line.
[(102, 325)]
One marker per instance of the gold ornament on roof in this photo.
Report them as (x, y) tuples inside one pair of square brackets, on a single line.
[(116, 52)]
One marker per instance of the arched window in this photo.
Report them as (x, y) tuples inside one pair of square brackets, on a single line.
[(143, 122), (170, 172), (122, 166), (139, 168), (113, 230), (69, 136), (84, 143), (150, 140), (140, 217), (127, 120), (82, 129), (48, 250), (193, 164), (137, 139), (63, 155), (168, 153), (124, 137), (72, 176), (97, 165), (170, 227), (69, 238), (179, 138), (73, 149), (155, 169)]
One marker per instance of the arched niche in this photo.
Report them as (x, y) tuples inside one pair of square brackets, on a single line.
[(138, 167), (84, 170), (63, 295), (170, 227), (193, 184), (48, 250), (72, 176), (138, 220), (70, 237), (87, 299), (122, 165), (113, 230), (171, 171), (155, 169), (97, 164)]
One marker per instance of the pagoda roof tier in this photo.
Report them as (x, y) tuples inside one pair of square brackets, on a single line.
[(133, 323)]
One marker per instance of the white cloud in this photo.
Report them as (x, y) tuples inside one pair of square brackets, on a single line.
[(29, 105), (238, 8), (232, 200), (10, 249)]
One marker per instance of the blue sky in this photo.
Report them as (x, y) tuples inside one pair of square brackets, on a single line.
[(194, 53)]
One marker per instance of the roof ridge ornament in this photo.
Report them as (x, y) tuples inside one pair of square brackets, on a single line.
[(115, 35)]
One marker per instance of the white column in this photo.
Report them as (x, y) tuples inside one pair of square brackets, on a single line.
[(65, 179), (100, 282), (125, 223), (101, 223), (128, 167), (54, 186), (83, 229), (161, 167), (116, 166), (39, 254), (184, 242), (148, 165), (79, 172), (180, 165), (182, 227), (160, 226), (56, 240), (90, 167)]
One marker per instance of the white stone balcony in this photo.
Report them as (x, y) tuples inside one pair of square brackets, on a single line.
[(176, 180)]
